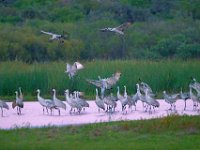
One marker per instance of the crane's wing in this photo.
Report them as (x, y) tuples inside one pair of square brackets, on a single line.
[(110, 82), (49, 33), (95, 82), (104, 30), (5, 105), (197, 85), (113, 80), (68, 68), (123, 26), (78, 65), (174, 96), (144, 86)]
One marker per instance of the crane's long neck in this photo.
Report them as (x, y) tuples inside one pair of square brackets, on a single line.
[(138, 89), (38, 94), (146, 93), (97, 93), (125, 93), (54, 94), (181, 91), (20, 91), (16, 95), (191, 91), (67, 96), (118, 91)]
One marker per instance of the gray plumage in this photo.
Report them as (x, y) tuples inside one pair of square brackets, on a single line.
[(105, 83), (141, 96), (46, 103), (99, 102), (171, 99), (150, 101), (3, 105), (144, 86), (72, 70), (19, 103), (20, 93), (184, 96), (195, 84), (110, 101), (193, 97), (122, 99), (57, 102), (60, 37), (41, 101), (72, 102), (130, 102), (119, 30), (133, 100), (82, 102)]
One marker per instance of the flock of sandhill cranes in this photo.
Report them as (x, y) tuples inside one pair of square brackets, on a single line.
[(73, 100), (105, 102), (108, 103), (61, 37)]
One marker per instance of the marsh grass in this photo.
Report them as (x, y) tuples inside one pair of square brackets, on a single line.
[(168, 75)]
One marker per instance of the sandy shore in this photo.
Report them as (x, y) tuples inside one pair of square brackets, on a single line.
[(32, 115)]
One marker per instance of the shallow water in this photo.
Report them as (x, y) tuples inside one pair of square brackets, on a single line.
[(32, 115)]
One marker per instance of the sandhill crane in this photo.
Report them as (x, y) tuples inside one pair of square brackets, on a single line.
[(71, 70), (105, 83), (72, 102), (122, 99), (144, 86), (119, 96), (42, 101), (193, 97), (150, 101), (19, 103), (184, 96), (110, 101), (58, 103), (47, 103), (20, 93), (195, 84), (141, 97), (3, 105), (119, 30), (81, 101), (99, 102), (171, 99), (133, 99), (54, 36)]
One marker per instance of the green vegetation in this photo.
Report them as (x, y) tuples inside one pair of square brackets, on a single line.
[(168, 75), (161, 29), (173, 132)]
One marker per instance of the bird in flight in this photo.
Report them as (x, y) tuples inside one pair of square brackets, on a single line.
[(54, 36), (119, 29), (71, 70)]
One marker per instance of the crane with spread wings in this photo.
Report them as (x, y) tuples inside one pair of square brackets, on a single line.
[(54, 36), (119, 29), (71, 70), (105, 83)]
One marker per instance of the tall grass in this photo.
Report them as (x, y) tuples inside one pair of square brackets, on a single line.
[(168, 75)]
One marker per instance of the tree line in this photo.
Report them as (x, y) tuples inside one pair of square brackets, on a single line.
[(161, 29)]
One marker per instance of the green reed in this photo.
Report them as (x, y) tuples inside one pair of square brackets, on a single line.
[(170, 75)]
